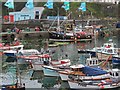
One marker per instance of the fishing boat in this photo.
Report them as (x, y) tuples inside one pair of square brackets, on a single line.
[(111, 83), (107, 49), (12, 53), (102, 52), (83, 72), (12, 47), (55, 66), (61, 35)]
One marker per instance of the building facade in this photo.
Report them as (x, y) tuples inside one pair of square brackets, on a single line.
[(26, 14)]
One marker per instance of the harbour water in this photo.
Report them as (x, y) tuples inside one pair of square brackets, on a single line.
[(37, 80)]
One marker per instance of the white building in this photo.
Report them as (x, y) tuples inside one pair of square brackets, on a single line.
[(26, 14)]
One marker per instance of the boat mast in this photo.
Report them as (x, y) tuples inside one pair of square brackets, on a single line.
[(18, 77), (82, 20), (58, 23)]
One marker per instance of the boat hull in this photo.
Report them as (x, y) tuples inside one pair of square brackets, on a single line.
[(64, 77), (37, 66), (93, 53), (55, 35), (50, 72), (116, 60), (10, 54), (21, 88), (84, 86)]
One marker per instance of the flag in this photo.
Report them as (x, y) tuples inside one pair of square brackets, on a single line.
[(49, 4), (66, 6), (82, 6), (10, 4), (29, 4)]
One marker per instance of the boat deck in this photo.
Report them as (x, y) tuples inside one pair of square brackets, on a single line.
[(70, 40), (78, 73)]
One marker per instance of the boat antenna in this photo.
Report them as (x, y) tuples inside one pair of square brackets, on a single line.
[(65, 19), (18, 77), (52, 23)]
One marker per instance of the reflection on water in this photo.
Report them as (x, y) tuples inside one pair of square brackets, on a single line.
[(49, 82), (46, 82), (66, 51)]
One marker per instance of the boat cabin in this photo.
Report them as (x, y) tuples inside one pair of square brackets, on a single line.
[(109, 48), (92, 61), (77, 68), (29, 52), (37, 58), (115, 73)]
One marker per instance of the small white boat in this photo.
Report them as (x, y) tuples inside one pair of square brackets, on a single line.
[(37, 61), (11, 47), (103, 52), (21, 51), (55, 66)]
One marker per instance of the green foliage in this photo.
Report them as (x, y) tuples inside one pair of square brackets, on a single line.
[(99, 10)]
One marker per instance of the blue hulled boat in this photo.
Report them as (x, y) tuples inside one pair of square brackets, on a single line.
[(116, 59)]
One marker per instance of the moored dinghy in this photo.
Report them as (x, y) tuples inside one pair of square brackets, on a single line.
[(21, 51), (55, 66)]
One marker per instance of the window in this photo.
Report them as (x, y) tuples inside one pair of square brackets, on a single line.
[(117, 74), (37, 15), (90, 62), (93, 62), (110, 51), (110, 73)]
